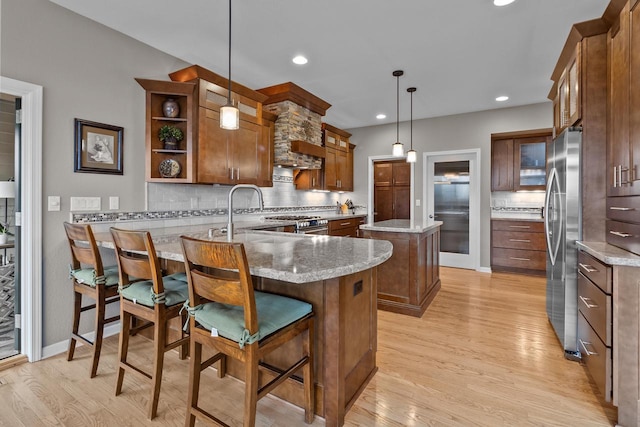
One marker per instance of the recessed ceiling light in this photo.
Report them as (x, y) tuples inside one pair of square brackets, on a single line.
[(502, 98), (300, 60), (502, 2), (381, 116)]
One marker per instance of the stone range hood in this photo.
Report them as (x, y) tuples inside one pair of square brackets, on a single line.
[(298, 129)]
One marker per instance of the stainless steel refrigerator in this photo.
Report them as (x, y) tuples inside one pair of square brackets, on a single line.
[(563, 228)]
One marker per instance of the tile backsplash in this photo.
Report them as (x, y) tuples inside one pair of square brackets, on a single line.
[(510, 199), (166, 197)]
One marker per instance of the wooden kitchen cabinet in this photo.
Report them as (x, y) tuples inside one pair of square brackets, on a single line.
[(392, 190), (157, 92), (569, 105), (518, 160), (308, 179), (518, 246), (209, 154), (338, 161), (345, 227)]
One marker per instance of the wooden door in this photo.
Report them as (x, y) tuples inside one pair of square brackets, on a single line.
[(383, 203), (330, 169), (383, 174), (213, 157), (244, 143), (401, 202), (618, 123), (502, 165), (402, 173)]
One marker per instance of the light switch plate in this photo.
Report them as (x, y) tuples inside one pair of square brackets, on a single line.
[(417, 202), (114, 202), (53, 203)]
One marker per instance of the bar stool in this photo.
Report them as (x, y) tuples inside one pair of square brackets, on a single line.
[(145, 294), (227, 315), (91, 279)]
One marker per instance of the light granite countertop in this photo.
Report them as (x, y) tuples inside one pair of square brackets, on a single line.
[(295, 258), (610, 254), (401, 226)]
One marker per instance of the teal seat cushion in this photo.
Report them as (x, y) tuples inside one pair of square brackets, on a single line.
[(175, 291), (274, 313), (88, 276)]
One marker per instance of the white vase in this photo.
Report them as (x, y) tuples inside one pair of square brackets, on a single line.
[(4, 238)]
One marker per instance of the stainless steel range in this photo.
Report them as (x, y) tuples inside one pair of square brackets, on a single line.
[(304, 224)]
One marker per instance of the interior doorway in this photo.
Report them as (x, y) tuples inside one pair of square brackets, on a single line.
[(29, 217), (452, 191), (404, 194)]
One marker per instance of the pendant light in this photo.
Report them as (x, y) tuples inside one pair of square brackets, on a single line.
[(398, 149), (229, 115), (412, 156)]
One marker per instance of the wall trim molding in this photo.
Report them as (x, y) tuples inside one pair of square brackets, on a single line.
[(63, 346), (30, 214)]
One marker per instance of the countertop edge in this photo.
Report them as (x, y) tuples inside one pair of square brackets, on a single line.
[(610, 254), (401, 229)]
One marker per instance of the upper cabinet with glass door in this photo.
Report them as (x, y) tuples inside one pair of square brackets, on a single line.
[(530, 163)]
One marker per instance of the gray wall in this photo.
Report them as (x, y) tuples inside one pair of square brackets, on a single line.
[(472, 130), (87, 71)]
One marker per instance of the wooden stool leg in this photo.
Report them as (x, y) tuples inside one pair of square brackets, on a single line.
[(159, 339), (77, 309), (307, 374), (99, 331), (251, 384), (123, 347), (183, 351), (195, 368)]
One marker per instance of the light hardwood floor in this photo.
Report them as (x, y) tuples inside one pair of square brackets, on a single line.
[(483, 354)]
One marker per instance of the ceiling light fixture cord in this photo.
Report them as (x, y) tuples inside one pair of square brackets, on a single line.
[(397, 148), (229, 96)]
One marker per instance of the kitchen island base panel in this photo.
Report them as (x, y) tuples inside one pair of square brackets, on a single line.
[(345, 342), (411, 310)]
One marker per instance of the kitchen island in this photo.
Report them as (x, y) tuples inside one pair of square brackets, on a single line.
[(410, 279), (338, 276)]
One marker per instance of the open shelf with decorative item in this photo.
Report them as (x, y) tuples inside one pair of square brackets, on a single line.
[(169, 135)]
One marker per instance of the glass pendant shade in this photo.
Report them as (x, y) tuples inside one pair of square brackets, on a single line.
[(229, 117), (412, 156), (398, 150)]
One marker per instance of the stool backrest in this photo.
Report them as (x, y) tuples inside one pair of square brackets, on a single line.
[(84, 250), (137, 258), (219, 271)]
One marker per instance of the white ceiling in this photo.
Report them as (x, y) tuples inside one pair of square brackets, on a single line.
[(460, 54)]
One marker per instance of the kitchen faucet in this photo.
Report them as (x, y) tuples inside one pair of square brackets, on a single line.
[(230, 217)]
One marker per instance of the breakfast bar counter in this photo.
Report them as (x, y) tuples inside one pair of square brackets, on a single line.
[(338, 276)]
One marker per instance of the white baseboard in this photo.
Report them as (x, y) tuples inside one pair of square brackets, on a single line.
[(484, 270), (62, 346)]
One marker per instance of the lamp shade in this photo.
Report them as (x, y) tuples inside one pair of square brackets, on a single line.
[(7, 189)]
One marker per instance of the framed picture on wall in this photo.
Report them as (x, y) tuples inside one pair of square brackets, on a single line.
[(98, 147)]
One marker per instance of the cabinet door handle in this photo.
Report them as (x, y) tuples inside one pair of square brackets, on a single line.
[(520, 240), (615, 180), (231, 173), (584, 345), (616, 208), (620, 170), (519, 226), (313, 181), (588, 268), (619, 234), (587, 303), (345, 223), (238, 174), (519, 259)]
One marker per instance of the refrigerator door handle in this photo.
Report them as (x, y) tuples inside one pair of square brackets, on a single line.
[(551, 214)]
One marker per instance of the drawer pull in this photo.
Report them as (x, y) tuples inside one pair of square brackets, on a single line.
[(619, 234), (520, 240), (345, 223), (519, 259), (587, 303), (588, 268), (584, 346), (616, 208), (519, 226)]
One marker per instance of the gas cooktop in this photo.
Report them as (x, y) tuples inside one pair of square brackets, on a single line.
[(291, 217)]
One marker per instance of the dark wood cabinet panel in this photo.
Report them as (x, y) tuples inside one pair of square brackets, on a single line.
[(392, 190), (338, 161), (308, 179), (410, 279), (345, 227), (383, 174), (383, 203), (401, 202), (502, 165), (518, 246)]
